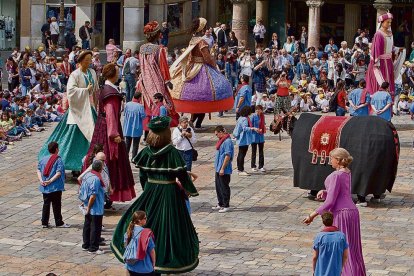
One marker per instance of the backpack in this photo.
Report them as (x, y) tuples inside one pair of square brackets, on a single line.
[(333, 102)]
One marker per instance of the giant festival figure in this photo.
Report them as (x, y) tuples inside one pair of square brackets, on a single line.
[(381, 66), (108, 132), (198, 86), (74, 132), (155, 76)]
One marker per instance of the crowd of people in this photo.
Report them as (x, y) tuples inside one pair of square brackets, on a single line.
[(271, 78)]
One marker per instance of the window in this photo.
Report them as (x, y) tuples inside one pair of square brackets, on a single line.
[(9, 24), (196, 9), (174, 16)]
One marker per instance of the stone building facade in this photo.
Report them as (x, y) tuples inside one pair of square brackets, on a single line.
[(123, 20)]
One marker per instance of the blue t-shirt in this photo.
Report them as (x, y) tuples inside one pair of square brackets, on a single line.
[(91, 185), (355, 97), (226, 148), (144, 266), (256, 137), (330, 247), (58, 184), (379, 100), (246, 92), (243, 132), (134, 115)]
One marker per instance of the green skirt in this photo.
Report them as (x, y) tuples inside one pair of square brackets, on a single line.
[(73, 145), (176, 241)]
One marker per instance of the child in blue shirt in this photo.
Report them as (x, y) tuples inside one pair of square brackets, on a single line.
[(381, 102), (243, 133), (51, 174), (258, 121), (330, 249), (139, 261), (92, 195), (223, 168)]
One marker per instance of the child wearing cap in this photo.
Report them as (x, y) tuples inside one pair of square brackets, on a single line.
[(403, 106)]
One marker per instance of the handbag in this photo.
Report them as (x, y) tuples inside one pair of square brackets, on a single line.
[(195, 152)]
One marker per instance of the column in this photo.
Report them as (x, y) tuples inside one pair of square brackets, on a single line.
[(262, 12), (84, 12), (156, 10), (36, 20), (212, 12), (382, 6), (314, 22), (133, 24), (25, 24), (203, 10), (187, 14), (352, 22), (240, 20)]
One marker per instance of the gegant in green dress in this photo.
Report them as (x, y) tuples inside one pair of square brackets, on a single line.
[(176, 241)]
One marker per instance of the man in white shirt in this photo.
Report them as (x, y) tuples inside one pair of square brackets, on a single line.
[(361, 38), (183, 137), (209, 38)]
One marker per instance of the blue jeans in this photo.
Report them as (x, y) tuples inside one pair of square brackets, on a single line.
[(85, 44), (130, 86), (188, 158), (340, 111), (24, 90)]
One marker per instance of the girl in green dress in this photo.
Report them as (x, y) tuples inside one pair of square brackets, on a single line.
[(160, 164)]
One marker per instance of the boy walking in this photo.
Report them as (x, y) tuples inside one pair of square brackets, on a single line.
[(223, 168), (330, 249), (92, 194), (51, 174)]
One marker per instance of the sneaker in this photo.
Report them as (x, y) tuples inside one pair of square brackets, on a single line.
[(361, 204), (97, 252), (217, 207), (263, 170), (254, 170), (65, 225), (224, 210), (85, 249), (46, 226), (243, 173)]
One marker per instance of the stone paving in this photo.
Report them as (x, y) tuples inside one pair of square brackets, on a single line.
[(262, 235)]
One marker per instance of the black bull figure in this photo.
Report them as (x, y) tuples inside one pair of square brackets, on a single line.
[(372, 142)]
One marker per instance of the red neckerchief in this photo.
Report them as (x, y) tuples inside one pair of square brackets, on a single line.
[(49, 164), (262, 123), (146, 234), (241, 86), (156, 109), (99, 176), (249, 122), (330, 229), (221, 141), (363, 98)]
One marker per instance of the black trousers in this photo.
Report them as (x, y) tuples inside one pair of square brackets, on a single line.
[(134, 141), (223, 189), (132, 273), (92, 229), (240, 157), (261, 155), (197, 119), (54, 199)]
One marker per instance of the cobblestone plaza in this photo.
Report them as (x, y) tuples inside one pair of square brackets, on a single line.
[(262, 235)]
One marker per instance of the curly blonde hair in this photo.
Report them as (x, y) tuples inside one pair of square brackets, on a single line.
[(343, 156)]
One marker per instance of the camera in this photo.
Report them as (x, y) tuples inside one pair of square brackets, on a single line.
[(188, 130)]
